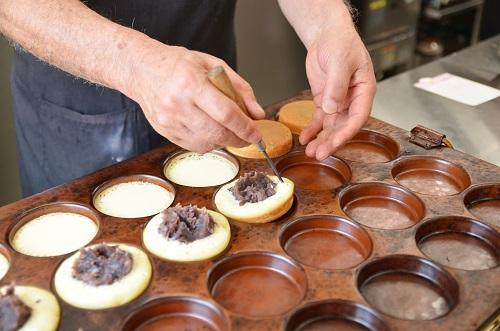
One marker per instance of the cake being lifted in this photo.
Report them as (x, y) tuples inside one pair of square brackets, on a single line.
[(187, 233), (297, 115), (255, 198), (276, 137)]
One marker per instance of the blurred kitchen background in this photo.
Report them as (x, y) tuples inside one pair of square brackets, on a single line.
[(400, 34)]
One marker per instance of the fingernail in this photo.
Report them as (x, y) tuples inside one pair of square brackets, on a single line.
[(302, 140), (329, 106)]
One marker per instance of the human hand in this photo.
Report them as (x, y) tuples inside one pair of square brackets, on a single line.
[(343, 85), (172, 88)]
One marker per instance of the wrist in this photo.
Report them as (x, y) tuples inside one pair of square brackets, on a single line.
[(337, 17), (137, 60)]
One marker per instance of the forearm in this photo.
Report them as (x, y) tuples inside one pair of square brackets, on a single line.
[(308, 18), (72, 37)]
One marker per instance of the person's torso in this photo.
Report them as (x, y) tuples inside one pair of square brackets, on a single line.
[(202, 25), (66, 127)]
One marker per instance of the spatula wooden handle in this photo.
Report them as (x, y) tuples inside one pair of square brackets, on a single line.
[(220, 79)]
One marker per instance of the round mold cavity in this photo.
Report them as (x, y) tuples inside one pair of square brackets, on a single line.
[(311, 174), (5, 261), (176, 313), (483, 201), (201, 171), (257, 284), (408, 287), (382, 206), (55, 237), (430, 175), (326, 242), (459, 242), (369, 147), (130, 179), (335, 315)]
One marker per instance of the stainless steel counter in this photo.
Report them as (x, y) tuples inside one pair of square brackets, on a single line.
[(474, 130)]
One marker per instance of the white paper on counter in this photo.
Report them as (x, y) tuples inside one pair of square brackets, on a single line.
[(459, 89)]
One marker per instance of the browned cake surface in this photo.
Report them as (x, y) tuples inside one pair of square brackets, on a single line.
[(297, 115), (276, 136)]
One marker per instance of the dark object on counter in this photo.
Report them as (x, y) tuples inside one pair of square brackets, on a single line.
[(429, 49), (102, 265), (13, 312), (186, 224), (253, 187), (428, 138)]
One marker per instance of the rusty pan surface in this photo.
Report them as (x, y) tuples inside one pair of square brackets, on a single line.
[(293, 273)]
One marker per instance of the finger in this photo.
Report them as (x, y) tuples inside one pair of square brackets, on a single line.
[(183, 137), (337, 84), (241, 85), (313, 145), (337, 137), (225, 111), (205, 127), (313, 128), (196, 146), (246, 92), (359, 112)]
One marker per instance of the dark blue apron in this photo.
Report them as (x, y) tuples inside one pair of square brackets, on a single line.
[(66, 127)]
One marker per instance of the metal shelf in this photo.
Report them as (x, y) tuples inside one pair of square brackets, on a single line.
[(436, 14)]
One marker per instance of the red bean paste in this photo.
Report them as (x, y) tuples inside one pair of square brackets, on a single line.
[(253, 187), (13, 312), (102, 265), (186, 223)]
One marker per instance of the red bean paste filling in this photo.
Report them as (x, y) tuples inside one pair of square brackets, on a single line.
[(102, 265), (186, 223), (13, 312), (253, 187)]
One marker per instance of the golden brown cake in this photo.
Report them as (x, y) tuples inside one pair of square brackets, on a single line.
[(276, 136), (297, 115)]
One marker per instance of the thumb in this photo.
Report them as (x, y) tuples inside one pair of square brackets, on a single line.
[(336, 87), (254, 108), (247, 94)]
